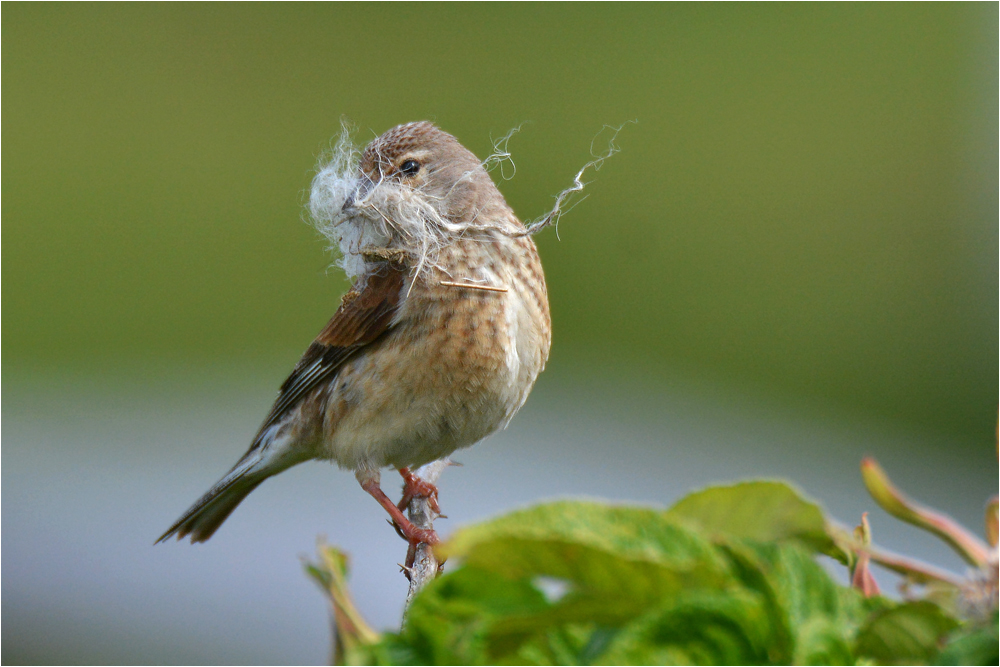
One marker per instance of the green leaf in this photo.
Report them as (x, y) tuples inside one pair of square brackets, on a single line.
[(696, 628), (631, 553), (821, 641), (450, 621), (615, 562), (705, 583), (907, 634), (976, 646), (764, 511), (810, 616), (570, 644)]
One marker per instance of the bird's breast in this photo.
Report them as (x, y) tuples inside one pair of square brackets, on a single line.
[(468, 343)]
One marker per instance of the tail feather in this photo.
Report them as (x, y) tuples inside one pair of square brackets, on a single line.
[(204, 517), (268, 456)]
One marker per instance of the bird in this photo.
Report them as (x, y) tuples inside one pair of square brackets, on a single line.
[(436, 344)]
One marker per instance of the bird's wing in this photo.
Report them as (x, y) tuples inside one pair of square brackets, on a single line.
[(363, 317)]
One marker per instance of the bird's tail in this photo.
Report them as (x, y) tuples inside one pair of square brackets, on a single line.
[(204, 517), (264, 459)]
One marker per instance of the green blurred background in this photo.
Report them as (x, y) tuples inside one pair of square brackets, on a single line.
[(805, 211), (808, 201)]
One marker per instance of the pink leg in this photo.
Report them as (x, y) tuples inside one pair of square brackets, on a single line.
[(410, 533)]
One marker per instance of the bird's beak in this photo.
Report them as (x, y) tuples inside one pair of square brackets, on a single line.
[(361, 191)]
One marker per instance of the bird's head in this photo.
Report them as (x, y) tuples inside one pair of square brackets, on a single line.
[(414, 188)]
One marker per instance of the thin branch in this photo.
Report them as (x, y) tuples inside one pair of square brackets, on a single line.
[(896, 503), (426, 566), (913, 569)]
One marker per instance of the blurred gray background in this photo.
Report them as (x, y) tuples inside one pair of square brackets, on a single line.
[(792, 263)]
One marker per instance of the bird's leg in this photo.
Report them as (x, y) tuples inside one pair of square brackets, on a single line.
[(414, 487), (407, 530)]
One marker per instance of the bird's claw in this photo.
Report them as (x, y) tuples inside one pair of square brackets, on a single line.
[(414, 487)]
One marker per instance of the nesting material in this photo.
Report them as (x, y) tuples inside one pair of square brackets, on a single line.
[(356, 213)]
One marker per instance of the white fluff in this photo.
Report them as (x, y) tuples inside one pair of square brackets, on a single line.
[(336, 181), (387, 214)]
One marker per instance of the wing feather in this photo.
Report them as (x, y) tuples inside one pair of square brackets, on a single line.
[(362, 318)]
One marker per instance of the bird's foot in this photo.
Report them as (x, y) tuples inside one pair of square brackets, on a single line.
[(414, 487), (414, 535), (428, 537), (403, 526)]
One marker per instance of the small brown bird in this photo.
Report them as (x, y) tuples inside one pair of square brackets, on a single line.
[(437, 343)]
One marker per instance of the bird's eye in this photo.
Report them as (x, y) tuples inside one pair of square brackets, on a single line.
[(409, 168)]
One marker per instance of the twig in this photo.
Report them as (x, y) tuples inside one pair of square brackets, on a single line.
[(351, 633), (425, 564), (896, 503), (911, 568), (485, 288)]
